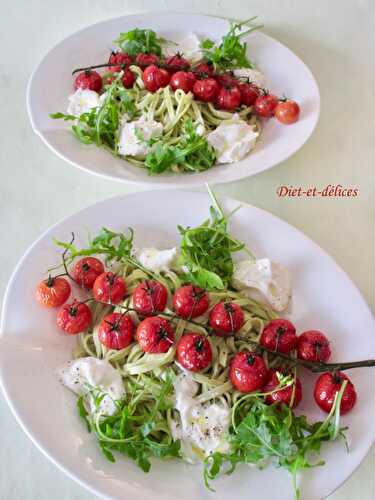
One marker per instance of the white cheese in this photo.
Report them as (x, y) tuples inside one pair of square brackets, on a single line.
[(83, 101), (188, 46), (156, 260), (133, 134), (270, 278), (232, 140), (92, 377), (253, 75), (202, 427)]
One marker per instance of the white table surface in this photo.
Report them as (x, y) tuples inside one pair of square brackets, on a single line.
[(335, 38)]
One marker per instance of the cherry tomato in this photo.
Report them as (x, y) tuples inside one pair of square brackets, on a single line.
[(265, 105), (194, 352), (52, 292), (128, 78), (227, 79), (226, 318), (190, 301), (116, 331), (74, 318), (109, 288), (206, 68), (86, 270), (177, 63), (247, 371), (249, 93), (144, 60), (90, 80), (229, 98), (283, 395), (154, 78), (119, 58), (150, 297), (287, 112), (313, 346), (326, 387), (279, 335), (183, 80), (155, 335), (206, 90)]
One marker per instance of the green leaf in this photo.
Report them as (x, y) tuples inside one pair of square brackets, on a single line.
[(207, 43), (83, 412), (63, 116), (139, 41)]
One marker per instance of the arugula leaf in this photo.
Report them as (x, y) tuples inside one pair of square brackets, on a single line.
[(140, 41), (83, 413), (57, 116)]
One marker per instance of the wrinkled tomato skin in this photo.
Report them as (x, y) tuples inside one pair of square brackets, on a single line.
[(74, 318), (150, 297), (116, 331), (265, 105), (204, 68), (88, 80), (326, 387), (128, 78), (119, 58), (279, 335), (144, 60), (86, 270), (283, 395), (109, 288), (177, 63), (183, 80), (247, 372), (206, 90), (226, 318), (194, 352), (229, 98), (249, 93), (313, 345), (52, 292), (155, 335), (190, 301)]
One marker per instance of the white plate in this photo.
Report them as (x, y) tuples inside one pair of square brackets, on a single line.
[(51, 84), (31, 348)]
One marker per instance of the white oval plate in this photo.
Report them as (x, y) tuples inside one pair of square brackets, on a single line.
[(31, 349), (51, 84)]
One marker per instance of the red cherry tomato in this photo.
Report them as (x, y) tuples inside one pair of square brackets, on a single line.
[(226, 318), (287, 112), (90, 80), (247, 371), (86, 270), (74, 318), (265, 105), (229, 98), (206, 68), (128, 78), (144, 60), (116, 331), (249, 93), (177, 63), (206, 90), (183, 80), (52, 292), (150, 297), (286, 395), (194, 352), (313, 346), (109, 288), (326, 387), (119, 58), (155, 78), (227, 79), (190, 301), (279, 335), (155, 335)]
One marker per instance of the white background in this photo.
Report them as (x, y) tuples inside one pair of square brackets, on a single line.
[(335, 38)]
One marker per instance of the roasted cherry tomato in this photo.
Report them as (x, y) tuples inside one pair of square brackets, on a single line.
[(116, 331), (52, 292), (177, 63), (119, 58), (128, 78), (183, 80), (249, 93), (290, 396), (287, 112), (190, 301), (226, 318), (155, 78), (155, 335), (229, 98), (227, 79), (279, 335), (86, 270), (194, 352), (326, 387), (90, 80), (247, 371), (265, 105), (206, 90), (144, 60), (204, 67), (313, 346), (150, 297), (109, 288), (74, 318)]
